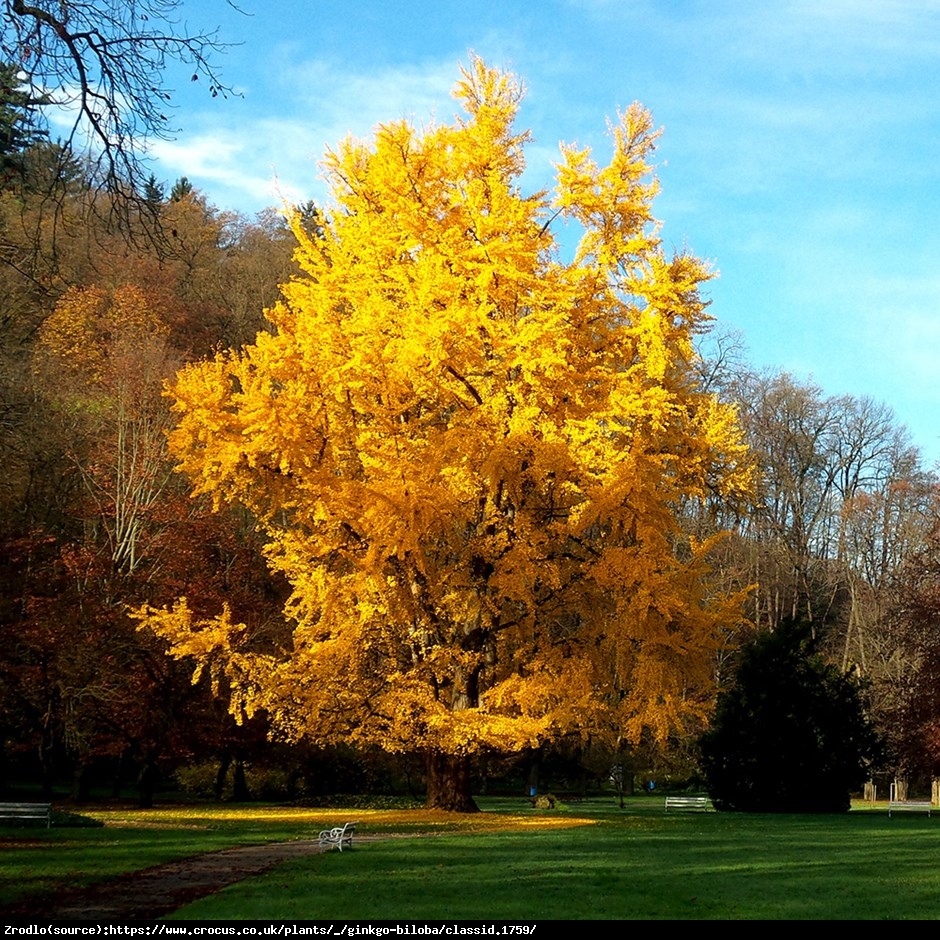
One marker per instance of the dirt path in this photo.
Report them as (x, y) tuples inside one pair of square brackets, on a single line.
[(153, 892)]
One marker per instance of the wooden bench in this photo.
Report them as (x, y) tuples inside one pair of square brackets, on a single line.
[(19, 811), (688, 804), (909, 806), (338, 836)]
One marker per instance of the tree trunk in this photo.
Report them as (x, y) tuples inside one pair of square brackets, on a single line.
[(219, 786), (147, 783), (46, 763), (81, 784), (449, 783), (117, 781), (532, 778), (240, 791)]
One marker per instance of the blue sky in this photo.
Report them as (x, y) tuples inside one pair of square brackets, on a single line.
[(800, 154)]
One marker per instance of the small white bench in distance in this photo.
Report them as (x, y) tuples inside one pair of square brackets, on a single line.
[(688, 804), (338, 836)]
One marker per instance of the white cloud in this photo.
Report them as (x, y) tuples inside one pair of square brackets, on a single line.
[(268, 172), (342, 102), (257, 160)]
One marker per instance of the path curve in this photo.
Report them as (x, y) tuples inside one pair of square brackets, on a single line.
[(153, 892)]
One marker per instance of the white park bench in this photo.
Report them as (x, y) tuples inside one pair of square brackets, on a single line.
[(909, 806), (688, 804), (20, 811), (338, 836)]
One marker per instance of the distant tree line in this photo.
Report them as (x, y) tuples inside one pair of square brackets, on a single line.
[(100, 308)]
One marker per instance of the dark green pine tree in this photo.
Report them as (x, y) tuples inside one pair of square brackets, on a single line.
[(19, 124), (181, 189), (153, 195), (791, 734)]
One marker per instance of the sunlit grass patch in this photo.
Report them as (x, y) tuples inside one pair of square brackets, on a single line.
[(381, 820)]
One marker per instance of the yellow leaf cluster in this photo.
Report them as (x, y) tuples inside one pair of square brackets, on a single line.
[(468, 454), (95, 336)]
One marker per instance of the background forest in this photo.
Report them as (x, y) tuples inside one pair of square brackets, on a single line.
[(105, 296)]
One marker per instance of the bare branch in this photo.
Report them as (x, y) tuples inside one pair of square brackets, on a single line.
[(103, 62)]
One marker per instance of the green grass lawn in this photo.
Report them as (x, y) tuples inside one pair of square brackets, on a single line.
[(35, 860), (636, 864), (514, 863)]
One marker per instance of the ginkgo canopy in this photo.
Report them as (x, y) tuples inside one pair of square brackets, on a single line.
[(468, 454)]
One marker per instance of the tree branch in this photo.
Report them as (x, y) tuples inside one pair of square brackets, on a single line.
[(103, 62)]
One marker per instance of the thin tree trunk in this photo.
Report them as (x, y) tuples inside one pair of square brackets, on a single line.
[(219, 787), (240, 791), (147, 783)]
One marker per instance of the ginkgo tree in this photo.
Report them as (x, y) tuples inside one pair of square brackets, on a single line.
[(467, 455)]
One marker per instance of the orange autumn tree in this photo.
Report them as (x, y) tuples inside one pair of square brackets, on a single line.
[(467, 455)]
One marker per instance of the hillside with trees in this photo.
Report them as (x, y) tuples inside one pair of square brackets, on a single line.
[(444, 496)]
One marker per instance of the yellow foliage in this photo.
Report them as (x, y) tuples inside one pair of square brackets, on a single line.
[(92, 330), (468, 454)]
